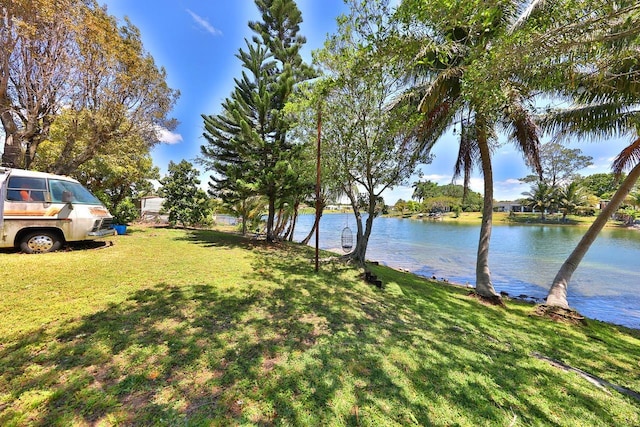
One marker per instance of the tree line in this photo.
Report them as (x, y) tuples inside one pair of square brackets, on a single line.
[(561, 189), (430, 197)]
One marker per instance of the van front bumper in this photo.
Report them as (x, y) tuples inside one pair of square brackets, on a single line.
[(102, 233)]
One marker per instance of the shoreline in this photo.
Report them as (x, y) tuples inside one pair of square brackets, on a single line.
[(522, 298), (504, 218)]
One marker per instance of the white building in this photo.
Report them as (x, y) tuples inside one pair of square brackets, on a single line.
[(150, 208)]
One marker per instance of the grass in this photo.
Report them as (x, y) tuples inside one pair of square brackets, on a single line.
[(520, 218), (174, 327)]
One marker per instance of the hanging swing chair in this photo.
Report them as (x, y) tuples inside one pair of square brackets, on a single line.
[(347, 239)]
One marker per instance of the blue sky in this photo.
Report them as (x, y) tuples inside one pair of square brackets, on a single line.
[(196, 42)]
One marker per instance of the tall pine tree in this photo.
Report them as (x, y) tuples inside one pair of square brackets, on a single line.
[(247, 145)]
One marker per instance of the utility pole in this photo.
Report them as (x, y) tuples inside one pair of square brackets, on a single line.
[(318, 188)]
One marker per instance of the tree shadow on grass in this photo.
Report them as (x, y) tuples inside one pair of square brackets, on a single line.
[(212, 238), (308, 349)]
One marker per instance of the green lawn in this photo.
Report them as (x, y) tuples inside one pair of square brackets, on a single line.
[(518, 218), (174, 327)]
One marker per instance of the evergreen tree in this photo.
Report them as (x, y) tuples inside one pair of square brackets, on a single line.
[(248, 148)]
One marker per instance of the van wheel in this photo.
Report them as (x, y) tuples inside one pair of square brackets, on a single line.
[(40, 242)]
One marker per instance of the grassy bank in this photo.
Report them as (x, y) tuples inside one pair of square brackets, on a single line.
[(174, 327), (518, 218)]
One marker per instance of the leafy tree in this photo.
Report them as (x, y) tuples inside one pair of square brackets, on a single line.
[(184, 201), (628, 215), (365, 146), (34, 40), (441, 204), (449, 49), (124, 170), (424, 190), (454, 195), (633, 199), (400, 206), (412, 205), (249, 209), (600, 184), (125, 212), (248, 147), (559, 165), (70, 65)]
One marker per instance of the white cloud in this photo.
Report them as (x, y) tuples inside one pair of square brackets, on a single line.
[(202, 22), (440, 179), (509, 189), (476, 184), (513, 181), (166, 136)]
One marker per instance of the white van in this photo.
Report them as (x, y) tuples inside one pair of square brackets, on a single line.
[(40, 211)]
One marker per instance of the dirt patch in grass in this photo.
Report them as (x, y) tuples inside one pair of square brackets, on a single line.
[(490, 301), (559, 314)]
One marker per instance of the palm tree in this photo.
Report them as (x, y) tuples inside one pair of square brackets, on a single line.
[(605, 114), (418, 191), (250, 209), (569, 199), (629, 157), (449, 90), (603, 84), (542, 197)]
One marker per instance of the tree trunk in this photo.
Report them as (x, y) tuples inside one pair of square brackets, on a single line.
[(244, 217), (270, 219), (12, 154), (306, 240), (294, 221), (362, 240), (484, 287), (362, 237), (280, 223), (558, 292)]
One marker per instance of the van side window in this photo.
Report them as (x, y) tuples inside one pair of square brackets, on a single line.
[(26, 189), (57, 190)]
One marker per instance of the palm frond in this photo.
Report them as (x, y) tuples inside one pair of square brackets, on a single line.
[(434, 124), (433, 57), (435, 120), (534, 6), (523, 130), (592, 121), (468, 153), (628, 158), (445, 86)]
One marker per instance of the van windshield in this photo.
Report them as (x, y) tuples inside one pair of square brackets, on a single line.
[(63, 191)]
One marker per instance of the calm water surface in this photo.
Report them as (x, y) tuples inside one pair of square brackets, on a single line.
[(523, 259)]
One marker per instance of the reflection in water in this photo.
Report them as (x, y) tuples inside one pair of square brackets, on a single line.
[(523, 259)]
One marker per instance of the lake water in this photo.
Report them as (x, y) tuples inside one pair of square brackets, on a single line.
[(523, 259)]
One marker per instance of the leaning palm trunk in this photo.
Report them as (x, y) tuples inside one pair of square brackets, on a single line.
[(307, 239), (558, 292), (484, 287)]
